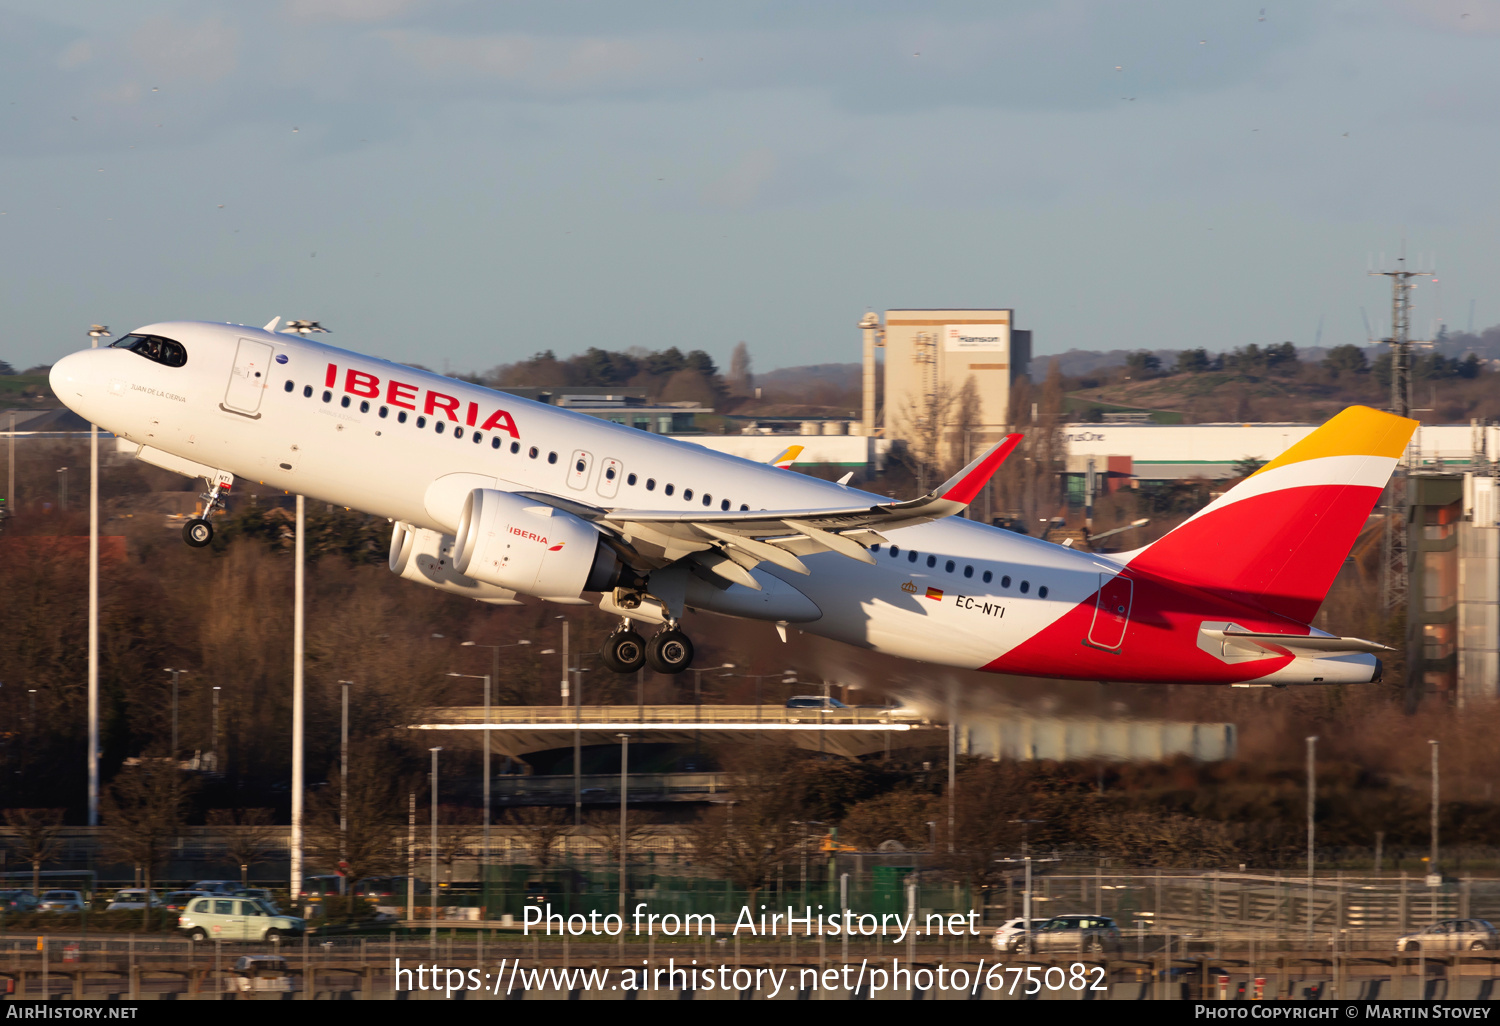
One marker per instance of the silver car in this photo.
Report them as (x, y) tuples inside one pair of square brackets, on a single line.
[(1452, 935), (1073, 933), (62, 901)]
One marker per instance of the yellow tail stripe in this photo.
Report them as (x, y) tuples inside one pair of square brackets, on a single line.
[(1357, 431)]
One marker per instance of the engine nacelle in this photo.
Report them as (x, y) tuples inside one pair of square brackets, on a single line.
[(426, 557), (518, 543)]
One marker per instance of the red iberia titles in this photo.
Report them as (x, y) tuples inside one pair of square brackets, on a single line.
[(417, 399)]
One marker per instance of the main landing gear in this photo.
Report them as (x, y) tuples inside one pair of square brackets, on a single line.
[(668, 651), (198, 532)]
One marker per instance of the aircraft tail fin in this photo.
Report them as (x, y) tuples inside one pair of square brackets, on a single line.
[(1278, 538)]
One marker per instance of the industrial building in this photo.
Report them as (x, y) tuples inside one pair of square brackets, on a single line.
[(937, 362)]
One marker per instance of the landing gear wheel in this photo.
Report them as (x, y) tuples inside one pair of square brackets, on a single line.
[(624, 651), (197, 533), (669, 651)]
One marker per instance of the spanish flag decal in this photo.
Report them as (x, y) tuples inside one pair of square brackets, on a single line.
[(936, 594)]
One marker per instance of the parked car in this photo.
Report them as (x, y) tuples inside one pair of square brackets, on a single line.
[(315, 887), (18, 901), (216, 886), (1452, 935), (1073, 933), (237, 919), (1011, 932), (176, 901), (133, 898), (385, 889), (62, 901), (814, 702)]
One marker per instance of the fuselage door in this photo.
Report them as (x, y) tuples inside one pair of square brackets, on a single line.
[(247, 383), (609, 478), (578, 469), (1111, 612)]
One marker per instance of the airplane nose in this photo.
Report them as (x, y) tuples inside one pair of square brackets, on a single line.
[(69, 380)]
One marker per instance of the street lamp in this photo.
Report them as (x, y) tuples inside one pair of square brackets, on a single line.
[(484, 870), (343, 784), (433, 848), (96, 332), (624, 792), (214, 737), (175, 674), (1312, 801)]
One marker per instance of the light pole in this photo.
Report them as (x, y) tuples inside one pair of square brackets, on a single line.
[(96, 332), (214, 736), (578, 748), (484, 866), (433, 847), (175, 674), (952, 760), (1433, 858), (298, 644), (565, 668), (1312, 803), (343, 783), (624, 792)]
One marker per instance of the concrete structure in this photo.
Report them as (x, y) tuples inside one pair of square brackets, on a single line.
[(850, 451), (1170, 452), (628, 406), (930, 356)]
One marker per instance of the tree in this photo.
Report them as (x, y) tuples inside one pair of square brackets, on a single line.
[(370, 843), (7, 370), (143, 816), (602, 826), (740, 380), (38, 838), (987, 798), (1142, 364), (749, 838), (899, 816), (1192, 361), (543, 825), (1346, 359), (248, 837)]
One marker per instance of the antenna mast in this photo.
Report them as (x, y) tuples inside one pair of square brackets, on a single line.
[(1395, 572)]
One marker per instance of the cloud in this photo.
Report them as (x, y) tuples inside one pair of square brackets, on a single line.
[(205, 52)]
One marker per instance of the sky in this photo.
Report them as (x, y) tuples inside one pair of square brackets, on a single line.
[(467, 183)]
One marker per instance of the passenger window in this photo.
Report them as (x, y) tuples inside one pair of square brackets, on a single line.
[(400, 416), (307, 391), (708, 500), (344, 402), (438, 426), (668, 489), (895, 551), (421, 422), (364, 406), (533, 452), (1005, 581), (458, 432), (724, 504), (477, 437), (290, 386), (630, 479), (687, 495), (968, 571), (911, 557), (875, 547), (1025, 587), (1041, 592), (949, 566), (328, 397), (609, 473), (744, 508), (515, 447), (495, 442), (932, 561), (552, 457), (385, 411), (650, 484), (988, 576)]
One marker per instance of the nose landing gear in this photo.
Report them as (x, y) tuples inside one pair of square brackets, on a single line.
[(198, 532)]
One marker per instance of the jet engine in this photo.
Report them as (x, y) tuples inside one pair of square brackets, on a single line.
[(426, 557), (513, 542)]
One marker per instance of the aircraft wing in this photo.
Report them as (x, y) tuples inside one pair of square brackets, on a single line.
[(732, 542)]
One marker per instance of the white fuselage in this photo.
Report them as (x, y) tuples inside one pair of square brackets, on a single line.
[(409, 445)]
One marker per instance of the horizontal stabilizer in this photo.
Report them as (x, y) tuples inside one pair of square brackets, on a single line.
[(1297, 644)]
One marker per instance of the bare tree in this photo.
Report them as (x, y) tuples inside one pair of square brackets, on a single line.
[(38, 837), (543, 824), (248, 836), (740, 380), (143, 810), (749, 838), (603, 827), (988, 799), (371, 841)]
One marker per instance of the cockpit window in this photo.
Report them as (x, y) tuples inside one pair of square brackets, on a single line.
[(154, 347)]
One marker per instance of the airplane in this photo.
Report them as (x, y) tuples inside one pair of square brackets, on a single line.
[(496, 497)]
